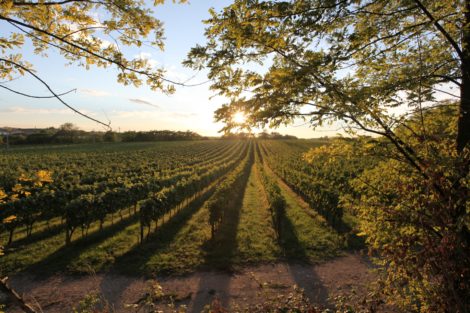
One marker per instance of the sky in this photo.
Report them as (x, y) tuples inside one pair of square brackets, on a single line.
[(127, 107)]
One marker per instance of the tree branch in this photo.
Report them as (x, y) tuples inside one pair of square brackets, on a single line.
[(408, 152), (15, 296), (36, 97), (55, 95), (94, 54), (26, 3), (440, 28)]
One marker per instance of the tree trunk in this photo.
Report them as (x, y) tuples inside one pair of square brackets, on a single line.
[(10, 237), (463, 132), (15, 297), (141, 233), (68, 236)]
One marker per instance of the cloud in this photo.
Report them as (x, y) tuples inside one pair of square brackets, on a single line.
[(174, 74), (143, 101), (106, 43), (94, 92), (147, 57), (143, 55), (23, 110)]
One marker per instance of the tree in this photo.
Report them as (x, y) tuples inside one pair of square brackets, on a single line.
[(111, 136), (370, 64), (67, 133), (417, 235), (86, 33), (330, 60)]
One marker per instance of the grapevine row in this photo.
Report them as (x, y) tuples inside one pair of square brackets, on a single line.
[(229, 189), (319, 195)]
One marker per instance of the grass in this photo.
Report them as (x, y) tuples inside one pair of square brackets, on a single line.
[(40, 230), (256, 238), (305, 235), (48, 251), (183, 243)]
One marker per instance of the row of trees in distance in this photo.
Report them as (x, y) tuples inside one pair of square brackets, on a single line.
[(68, 133)]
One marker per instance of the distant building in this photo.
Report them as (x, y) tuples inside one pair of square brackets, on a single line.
[(18, 131)]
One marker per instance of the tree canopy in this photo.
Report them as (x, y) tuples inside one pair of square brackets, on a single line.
[(355, 61), (376, 66), (86, 33)]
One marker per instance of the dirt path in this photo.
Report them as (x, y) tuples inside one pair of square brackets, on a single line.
[(60, 293)]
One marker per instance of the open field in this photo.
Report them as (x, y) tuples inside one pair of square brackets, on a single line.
[(215, 212)]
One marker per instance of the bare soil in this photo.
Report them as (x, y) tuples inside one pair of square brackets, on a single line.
[(60, 293)]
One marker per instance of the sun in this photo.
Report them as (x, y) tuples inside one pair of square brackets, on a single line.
[(239, 117)]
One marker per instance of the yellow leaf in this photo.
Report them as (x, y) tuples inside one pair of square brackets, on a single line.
[(3, 195), (17, 188), (23, 177), (9, 219), (44, 176)]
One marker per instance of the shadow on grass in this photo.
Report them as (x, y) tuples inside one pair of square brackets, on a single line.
[(352, 241), (219, 253), (59, 260), (304, 276), (220, 250), (133, 261), (37, 236), (292, 248)]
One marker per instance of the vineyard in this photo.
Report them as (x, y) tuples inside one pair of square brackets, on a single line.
[(166, 208)]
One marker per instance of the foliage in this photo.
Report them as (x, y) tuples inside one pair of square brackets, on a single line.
[(166, 200), (155, 298), (15, 201), (415, 226), (305, 232), (322, 196), (86, 33), (82, 201), (374, 66), (74, 135), (277, 203), (93, 303), (119, 176), (336, 60), (225, 194), (274, 135)]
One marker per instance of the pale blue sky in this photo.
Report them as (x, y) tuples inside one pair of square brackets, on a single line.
[(99, 95)]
